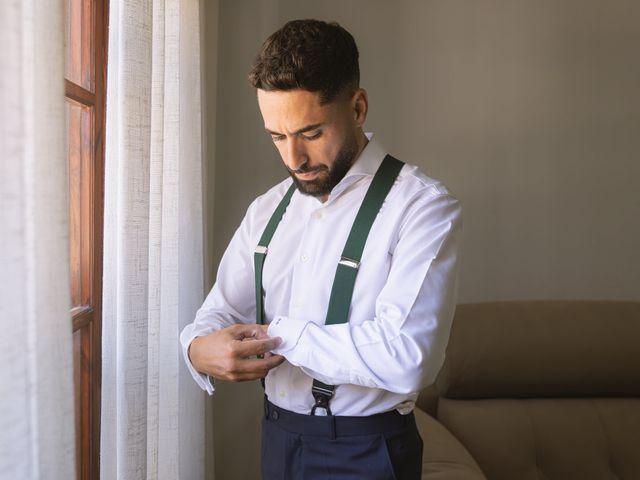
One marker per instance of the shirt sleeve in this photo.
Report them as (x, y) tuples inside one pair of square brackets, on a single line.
[(402, 348), (230, 301)]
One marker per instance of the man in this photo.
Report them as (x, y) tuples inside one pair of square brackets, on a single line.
[(342, 361)]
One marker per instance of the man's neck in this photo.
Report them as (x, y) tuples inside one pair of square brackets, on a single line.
[(361, 140)]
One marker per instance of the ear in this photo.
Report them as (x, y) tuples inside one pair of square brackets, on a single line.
[(360, 106)]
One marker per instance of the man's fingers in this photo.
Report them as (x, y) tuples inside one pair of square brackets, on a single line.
[(250, 348), (252, 369), (230, 353), (274, 360), (250, 331)]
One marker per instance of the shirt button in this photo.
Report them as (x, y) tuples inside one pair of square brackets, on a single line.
[(304, 257), (317, 215)]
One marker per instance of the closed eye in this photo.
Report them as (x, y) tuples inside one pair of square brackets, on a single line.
[(313, 135), (310, 132)]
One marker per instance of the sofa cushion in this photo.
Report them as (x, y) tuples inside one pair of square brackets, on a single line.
[(551, 439), (444, 457)]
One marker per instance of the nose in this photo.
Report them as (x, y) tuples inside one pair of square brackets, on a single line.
[(295, 153)]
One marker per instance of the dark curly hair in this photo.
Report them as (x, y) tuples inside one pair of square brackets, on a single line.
[(311, 55)]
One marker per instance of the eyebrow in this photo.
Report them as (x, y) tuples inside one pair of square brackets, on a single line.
[(308, 128)]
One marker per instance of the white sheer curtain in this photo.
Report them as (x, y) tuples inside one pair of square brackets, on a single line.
[(152, 411), (36, 370)]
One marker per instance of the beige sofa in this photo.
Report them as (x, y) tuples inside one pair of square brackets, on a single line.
[(536, 391)]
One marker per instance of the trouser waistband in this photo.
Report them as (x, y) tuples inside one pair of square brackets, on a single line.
[(335, 426)]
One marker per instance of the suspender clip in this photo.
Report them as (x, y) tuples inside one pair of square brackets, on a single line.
[(261, 249), (322, 394), (349, 262), (322, 401)]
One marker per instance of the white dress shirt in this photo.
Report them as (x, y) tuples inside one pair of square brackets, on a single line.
[(403, 300)]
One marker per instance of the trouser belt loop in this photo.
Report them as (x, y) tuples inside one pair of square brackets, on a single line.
[(333, 427)]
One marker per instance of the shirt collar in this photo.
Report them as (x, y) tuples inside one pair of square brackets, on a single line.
[(366, 164)]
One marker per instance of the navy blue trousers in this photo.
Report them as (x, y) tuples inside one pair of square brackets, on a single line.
[(304, 447)]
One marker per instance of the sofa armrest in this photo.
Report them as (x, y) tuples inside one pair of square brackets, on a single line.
[(444, 457)]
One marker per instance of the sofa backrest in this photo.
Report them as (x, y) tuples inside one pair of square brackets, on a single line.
[(545, 390), (543, 349)]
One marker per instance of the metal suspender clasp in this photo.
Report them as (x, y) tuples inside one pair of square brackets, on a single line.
[(322, 397), (261, 249), (349, 262)]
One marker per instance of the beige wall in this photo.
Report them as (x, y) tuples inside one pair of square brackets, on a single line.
[(529, 111)]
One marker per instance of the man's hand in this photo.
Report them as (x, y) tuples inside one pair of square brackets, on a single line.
[(230, 354)]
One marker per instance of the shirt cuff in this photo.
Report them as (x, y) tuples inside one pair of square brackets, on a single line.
[(289, 330), (204, 381)]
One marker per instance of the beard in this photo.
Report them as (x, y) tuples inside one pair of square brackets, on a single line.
[(329, 177)]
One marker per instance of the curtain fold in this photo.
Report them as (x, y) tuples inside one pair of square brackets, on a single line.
[(36, 366), (152, 411)]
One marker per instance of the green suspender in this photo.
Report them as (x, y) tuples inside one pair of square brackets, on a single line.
[(349, 264), (262, 249), (347, 269)]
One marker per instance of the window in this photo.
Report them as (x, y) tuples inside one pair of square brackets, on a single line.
[(85, 77)]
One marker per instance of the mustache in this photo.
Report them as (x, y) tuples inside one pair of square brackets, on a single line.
[(306, 169)]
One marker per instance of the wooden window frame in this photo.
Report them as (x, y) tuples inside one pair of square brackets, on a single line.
[(86, 217)]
